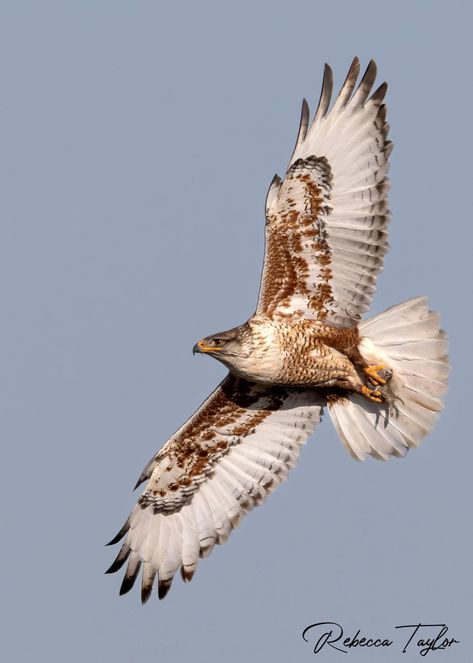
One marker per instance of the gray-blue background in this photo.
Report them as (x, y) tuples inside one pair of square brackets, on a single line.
[(137, 143)]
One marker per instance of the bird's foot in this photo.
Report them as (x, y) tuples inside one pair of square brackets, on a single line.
[(377, 374), (374, 395)]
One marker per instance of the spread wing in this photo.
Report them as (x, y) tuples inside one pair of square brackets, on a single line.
[(326, 222), (226, 458)]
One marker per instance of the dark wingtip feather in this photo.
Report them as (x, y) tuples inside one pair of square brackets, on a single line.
[(355, 63), (163, 587), (187, 574), (303, 127), (115, 539), (147, 580), (119, 560), (304, 122), (140, 481), (378, 96), (126, 585), (349, 84), (130, 576), (120, 534), (146, 592), (366, 82), (371, 70), (272, 192), (114, 567), (276, 181), (381, 115), (326, 93), (353, 73), (146, 473)]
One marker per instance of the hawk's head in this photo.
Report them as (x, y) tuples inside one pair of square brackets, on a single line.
[(226, 346), (250, 351)]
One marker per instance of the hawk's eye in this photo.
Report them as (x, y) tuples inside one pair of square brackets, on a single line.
[(217, 341)]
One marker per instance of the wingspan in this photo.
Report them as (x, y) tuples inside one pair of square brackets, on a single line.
[(326, 223), (229, 455)]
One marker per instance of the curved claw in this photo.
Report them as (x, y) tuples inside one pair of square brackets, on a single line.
[(373, 374), (373, 394)]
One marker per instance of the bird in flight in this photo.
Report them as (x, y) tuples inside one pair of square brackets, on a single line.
[(306, 349)]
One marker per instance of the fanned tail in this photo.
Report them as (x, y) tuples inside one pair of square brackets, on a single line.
[(407, 339)]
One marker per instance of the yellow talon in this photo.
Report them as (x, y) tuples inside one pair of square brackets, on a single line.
[(373, 394), (372, 373)]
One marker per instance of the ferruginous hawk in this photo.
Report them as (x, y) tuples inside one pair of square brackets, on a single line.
[(304, 350)]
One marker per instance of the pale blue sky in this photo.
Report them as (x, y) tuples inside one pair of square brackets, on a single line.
[(138, 141)]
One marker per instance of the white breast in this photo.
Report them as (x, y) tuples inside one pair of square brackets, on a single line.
[(266, 359)]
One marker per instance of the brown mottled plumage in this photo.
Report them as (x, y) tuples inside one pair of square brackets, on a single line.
[(300, 352), (381, 380)]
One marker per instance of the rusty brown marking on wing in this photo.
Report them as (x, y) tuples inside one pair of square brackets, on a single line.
[(234, 410), (296, 234)]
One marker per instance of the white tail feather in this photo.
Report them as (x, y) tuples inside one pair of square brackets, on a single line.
[(407, 339)]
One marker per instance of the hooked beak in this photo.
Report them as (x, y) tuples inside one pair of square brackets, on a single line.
[(200, 347)]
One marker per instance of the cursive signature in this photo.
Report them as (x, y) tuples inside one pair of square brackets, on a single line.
[(426, 645), (426, 637)]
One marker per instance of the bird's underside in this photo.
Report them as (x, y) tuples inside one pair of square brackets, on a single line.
[(298, 353), (305, 351)]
